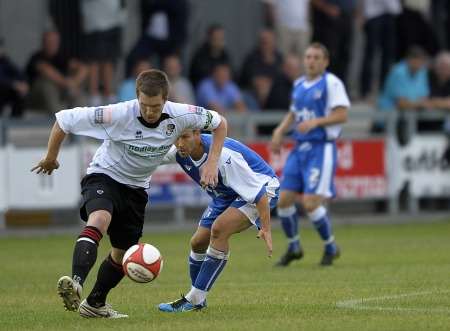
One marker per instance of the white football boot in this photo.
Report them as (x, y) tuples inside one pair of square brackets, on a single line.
[(70, 292), (105, 311)]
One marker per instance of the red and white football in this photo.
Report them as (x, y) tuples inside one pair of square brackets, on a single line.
[(142, 263)]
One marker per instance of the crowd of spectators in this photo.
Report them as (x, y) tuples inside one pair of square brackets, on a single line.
[(413, 71)]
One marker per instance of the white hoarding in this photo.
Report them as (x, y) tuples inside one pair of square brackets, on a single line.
[(28, 190), (420, 163), (3, 181)]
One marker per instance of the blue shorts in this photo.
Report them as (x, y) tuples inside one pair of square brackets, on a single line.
[(310, 169), (217, 206)]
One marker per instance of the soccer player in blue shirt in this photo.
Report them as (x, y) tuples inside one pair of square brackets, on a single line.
[(319, 105), (246, 192)]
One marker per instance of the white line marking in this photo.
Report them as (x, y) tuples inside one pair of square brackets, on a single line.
[(359, 304)]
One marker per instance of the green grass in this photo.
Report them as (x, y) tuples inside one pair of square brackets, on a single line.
[(377, 261)]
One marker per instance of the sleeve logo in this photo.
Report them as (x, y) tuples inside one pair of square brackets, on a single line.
[(209, 118), (103, 115)]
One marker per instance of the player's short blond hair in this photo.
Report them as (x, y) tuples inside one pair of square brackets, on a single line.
[(153, 82), (322, 47)]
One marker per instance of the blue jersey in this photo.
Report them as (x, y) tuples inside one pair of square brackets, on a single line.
[(242, 172), (317, 98)]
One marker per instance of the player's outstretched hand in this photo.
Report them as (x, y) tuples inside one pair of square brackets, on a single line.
[(45, 166), (209, 176), (266, 235)]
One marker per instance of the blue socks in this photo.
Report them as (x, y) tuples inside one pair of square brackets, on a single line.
[(289, 223), (195, 263), (210, 269), (321, 222)]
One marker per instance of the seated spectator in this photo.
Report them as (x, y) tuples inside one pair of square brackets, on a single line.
[(180, 87), (264, 59), (406, 86), (219, 92), (210, 53), (440, 82), (127, 89), (279, 97), (255, 98), (439, 92), (55, 81), (13, 86)]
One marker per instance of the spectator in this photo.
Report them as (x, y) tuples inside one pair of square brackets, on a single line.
[(102, 27), (55, 81), (181, 89), (13, 86), (406, 86), (265, 59), (439, 78), (127, 89), (413, 29), (291, 22), (380, 31), (255, 98), (66, 19), (333, 27), (279, 97), (440, 82), (210, 53), (219, 92), (440, 16), (163, 30)]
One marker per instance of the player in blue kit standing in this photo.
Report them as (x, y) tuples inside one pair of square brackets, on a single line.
[(319, 105), (246, 192)]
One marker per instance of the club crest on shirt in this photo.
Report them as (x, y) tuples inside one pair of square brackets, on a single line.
[(169, 129), (317, 94)]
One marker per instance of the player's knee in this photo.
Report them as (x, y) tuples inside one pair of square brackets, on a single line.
[(199, 244), (311, 204), (100, 219), (286, 200), (217, 232)]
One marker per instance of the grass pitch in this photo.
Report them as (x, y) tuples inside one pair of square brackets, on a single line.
[(390, 277)]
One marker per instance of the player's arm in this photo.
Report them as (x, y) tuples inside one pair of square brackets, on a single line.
[(171, 156), (280, 131), (209, 174), (265, 232), (337, 116), (49, 162), (238, 175), (339, 103)]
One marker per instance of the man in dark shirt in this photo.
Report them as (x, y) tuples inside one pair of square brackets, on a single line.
[(211, 53), (265, 58), (13, 87), (55, 81)]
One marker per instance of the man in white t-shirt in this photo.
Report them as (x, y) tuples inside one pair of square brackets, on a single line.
[(136, 136), (291, 21)]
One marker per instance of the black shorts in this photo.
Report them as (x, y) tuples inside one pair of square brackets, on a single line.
[(102, 45), (126, 205)]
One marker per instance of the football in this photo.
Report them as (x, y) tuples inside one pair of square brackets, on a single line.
[(142, 263)]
